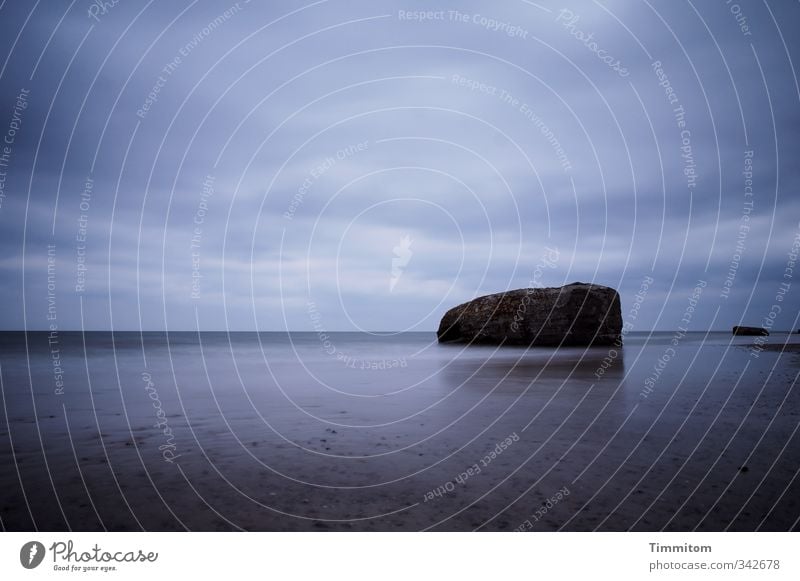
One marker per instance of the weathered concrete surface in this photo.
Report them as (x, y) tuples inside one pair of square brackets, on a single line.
[(575, 314)]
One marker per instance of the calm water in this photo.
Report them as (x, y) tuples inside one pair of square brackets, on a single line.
[(354, 431)]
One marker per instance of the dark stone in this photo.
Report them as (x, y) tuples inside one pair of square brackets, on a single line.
[(575, 314), (738, 330)]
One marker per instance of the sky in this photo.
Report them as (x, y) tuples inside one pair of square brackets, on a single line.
[(366, 165)]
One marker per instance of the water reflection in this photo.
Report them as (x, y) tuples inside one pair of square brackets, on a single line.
[(485, 367)]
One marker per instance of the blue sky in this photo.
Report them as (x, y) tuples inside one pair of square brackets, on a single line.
[(385, 164)]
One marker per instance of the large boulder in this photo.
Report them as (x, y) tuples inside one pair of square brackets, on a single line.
[(575, 314), (749, 331)]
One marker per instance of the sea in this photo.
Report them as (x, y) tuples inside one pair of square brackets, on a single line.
[(394, 431)]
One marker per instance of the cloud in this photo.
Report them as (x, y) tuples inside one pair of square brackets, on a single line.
[(330, 132)]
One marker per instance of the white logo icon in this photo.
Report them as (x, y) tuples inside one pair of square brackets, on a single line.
[(402, 256), (31, 554)]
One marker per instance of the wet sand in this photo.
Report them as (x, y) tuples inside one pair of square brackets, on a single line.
[(282, 436)]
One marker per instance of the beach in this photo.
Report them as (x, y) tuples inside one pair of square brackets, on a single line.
[(361, 432)]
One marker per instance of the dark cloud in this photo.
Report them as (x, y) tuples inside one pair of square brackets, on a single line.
[(483, 138)]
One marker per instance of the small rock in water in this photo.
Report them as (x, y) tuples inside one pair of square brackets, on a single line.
[(750, 331)]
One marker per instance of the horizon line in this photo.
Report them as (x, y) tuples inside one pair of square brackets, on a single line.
[(385, 332)]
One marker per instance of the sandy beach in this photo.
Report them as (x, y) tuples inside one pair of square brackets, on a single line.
[(274, 434)]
